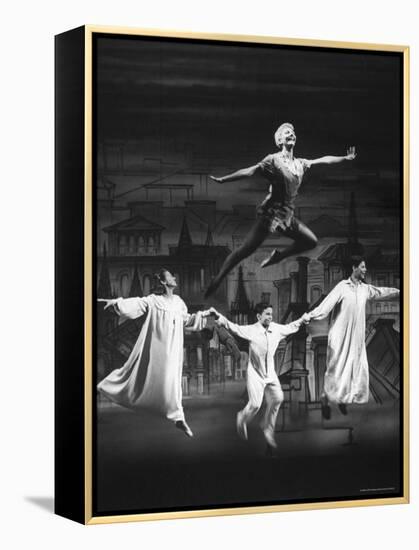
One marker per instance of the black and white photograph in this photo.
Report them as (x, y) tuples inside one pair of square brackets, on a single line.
[(209, 266), (248, 274)]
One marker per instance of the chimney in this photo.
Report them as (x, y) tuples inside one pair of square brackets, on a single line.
[(294, 287), (302, 279)]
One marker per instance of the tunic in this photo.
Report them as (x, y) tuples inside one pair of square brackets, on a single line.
[(263, 343), (347, 375), (151, 378), (277, 210)]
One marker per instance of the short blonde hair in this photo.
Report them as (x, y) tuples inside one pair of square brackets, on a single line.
[(279, 130)]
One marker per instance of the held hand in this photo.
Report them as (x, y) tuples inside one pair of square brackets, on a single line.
[(305, 319), (215, 313), (212, 311), (218, 180), (350, 153), (108, 303)]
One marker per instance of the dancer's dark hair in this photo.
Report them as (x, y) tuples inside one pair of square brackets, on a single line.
[(158, 278), (260, 308)]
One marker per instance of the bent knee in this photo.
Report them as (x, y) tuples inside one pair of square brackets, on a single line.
[(277, 396), (279, 399), (253, 407)]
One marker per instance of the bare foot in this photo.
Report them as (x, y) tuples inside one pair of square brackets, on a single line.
[(181, 425), (274, 258), (270, 439), (241, 426)]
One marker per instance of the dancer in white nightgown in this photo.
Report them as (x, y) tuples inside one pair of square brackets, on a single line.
[(151, 378), (347, 375)]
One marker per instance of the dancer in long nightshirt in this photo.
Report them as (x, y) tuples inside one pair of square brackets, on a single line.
[(346, 378), (151, 378)]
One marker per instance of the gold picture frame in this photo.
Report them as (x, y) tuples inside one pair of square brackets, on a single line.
[(76, 416)]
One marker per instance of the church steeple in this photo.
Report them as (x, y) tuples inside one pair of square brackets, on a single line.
[(185, 240), (209, 240), (240, 308), (104, 289), (136, 288)]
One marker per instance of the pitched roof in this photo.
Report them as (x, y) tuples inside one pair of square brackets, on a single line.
[(136, 223), (185, 239), (342, 252)]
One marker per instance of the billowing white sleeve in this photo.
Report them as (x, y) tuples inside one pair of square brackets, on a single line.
[(381, 292), (131, 308), (244, 331), (323, 309), (193, 321)]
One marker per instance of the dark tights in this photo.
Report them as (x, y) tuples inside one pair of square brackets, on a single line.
[(304, 239)]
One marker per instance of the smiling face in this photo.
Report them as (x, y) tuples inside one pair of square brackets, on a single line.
[(285, 136), (265, 318)]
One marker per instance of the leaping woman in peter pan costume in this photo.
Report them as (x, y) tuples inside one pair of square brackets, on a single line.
[(284, 173)]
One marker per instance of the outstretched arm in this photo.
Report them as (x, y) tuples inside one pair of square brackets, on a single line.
[(244, 331), (326, 306), (127, 308), (239, 174), (382, 292), (197, 321), (350, 155), (294, 326)]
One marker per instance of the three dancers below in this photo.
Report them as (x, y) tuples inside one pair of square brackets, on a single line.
[(151, 378), (284, 173)]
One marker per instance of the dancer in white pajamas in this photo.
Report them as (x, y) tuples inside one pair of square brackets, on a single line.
[(151, 378), (347, 375), (262, 380)]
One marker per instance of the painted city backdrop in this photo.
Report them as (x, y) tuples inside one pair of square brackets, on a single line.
[(169, 114)]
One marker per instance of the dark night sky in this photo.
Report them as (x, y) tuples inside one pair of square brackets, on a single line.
[(224, 102)]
